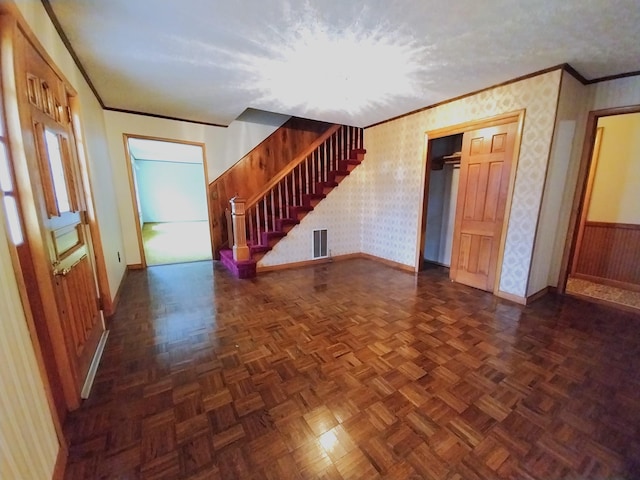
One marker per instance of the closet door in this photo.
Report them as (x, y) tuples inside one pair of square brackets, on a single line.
[(485, 169)]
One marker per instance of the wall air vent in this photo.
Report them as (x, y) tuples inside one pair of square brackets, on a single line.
[(320, 243)]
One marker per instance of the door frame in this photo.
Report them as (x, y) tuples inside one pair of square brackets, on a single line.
[(501, 119), (30, 259), (580, 197), (133, 190)]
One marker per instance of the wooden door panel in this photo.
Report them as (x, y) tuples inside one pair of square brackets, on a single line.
[(59, 195), (498, 142), (465, 252), (484, 255), (471, 187), (477, 144), (492, 197), (79, 310), (65, 240), (485, 170)]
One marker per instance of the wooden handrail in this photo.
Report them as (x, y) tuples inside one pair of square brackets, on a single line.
[(291, 165), (252, 171)]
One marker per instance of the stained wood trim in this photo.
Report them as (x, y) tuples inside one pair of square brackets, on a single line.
[(501, 119), (389, 263), (337, 258), (135, 266), (625, 226), (163, 117), (132, 187), (511, 297), (575, 74), (61, 462), (581, 185), (613, 77), (305, 263), (290, 166), (72, 52), (476, 92)]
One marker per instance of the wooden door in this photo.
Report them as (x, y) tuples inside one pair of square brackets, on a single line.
[(60, 201), (485, 169)]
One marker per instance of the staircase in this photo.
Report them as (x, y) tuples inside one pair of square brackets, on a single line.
[(294, 193)]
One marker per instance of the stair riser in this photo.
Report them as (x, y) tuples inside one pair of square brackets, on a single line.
[(298, 212), (271, 238), (344, 165), (337, 176)]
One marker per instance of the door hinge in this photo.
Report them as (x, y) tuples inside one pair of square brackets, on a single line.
[(100, 303), (68, 110)]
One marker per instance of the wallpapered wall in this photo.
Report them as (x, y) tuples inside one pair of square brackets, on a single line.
[(339, 213), (388, 186)]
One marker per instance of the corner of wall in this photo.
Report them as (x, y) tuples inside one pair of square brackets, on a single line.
[(560, 184)]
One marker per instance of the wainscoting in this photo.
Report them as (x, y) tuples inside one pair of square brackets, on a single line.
[(609, 253)]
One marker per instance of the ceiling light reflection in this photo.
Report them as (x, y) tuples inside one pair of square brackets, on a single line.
[(314, 64), (318, 68)]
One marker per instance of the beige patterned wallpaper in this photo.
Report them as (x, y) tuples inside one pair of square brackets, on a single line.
[(339, 213), (385, 193), (395, 151)]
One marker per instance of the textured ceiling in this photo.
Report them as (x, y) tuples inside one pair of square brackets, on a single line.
[(354, 62)]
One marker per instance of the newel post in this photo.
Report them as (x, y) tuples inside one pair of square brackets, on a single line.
[(240, 248)]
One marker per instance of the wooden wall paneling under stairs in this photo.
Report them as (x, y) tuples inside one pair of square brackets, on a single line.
[(250, 174), (294, 192)]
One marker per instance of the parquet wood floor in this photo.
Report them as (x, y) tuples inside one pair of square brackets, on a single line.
[(356, 370)]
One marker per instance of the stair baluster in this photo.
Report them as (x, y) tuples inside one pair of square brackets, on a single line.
[(271, 216)]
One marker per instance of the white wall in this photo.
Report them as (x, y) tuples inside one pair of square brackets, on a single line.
[(171, 192), (222, 146), (560, 184), (247, 131), (615, 93)]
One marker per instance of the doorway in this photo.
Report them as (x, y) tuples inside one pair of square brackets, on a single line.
[(605, 259), (169, 189), (444, 175), (47, 195), (470, 171)]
